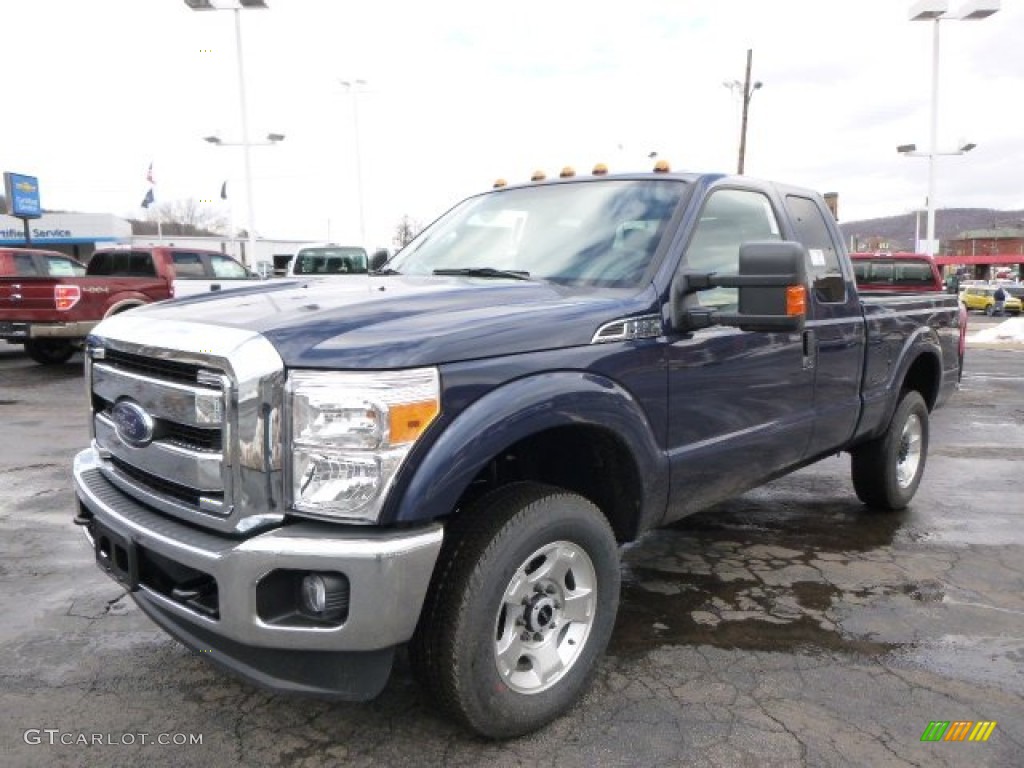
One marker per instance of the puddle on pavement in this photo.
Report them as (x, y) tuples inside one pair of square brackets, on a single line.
[(751, 574), (995, 661)]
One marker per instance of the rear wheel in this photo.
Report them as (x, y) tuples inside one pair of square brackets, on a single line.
[(522, 605), (49, 351), (887, 471), (989, 309)]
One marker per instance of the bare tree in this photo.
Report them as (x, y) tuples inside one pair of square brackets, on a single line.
[(182, 218), (406, 229)]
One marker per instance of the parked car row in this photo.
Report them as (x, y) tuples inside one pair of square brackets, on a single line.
[(50, 302), (982, 298)]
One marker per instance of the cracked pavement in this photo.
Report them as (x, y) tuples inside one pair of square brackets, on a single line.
[(788, 627)]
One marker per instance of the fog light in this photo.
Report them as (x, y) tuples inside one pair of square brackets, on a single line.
[(325, 596)]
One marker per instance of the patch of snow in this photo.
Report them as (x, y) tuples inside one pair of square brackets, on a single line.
[(1010, 331)]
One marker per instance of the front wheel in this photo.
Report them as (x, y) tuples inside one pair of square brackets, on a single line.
[(49, 351), (887, 471), (521, 606)]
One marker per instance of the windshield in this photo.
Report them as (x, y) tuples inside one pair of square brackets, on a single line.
[(330, 260), (586, 233)]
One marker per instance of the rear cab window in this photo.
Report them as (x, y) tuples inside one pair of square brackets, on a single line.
[(331, 261), (121, 264), (898, 273)]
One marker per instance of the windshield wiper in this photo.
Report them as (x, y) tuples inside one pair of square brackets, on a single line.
[(485, 272), (385, 271)]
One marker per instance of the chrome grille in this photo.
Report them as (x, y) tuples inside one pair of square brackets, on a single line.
[(181, 492), (184, 435), (168, 370), (210, 450)]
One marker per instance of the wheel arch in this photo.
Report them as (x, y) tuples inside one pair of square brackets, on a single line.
[(570, 429), (124, 303), (924, 376)]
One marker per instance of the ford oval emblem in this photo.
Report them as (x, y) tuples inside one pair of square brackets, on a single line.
[(134, 426)]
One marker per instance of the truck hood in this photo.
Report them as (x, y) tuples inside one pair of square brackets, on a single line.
[(399, 321)]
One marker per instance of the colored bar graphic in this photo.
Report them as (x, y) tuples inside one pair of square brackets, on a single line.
[(982, 731), (958, 730)]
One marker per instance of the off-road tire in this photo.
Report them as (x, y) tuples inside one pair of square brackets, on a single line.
[(885, 472), (455, 650)]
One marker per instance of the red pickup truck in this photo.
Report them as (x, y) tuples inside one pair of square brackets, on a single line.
[(905, 272), (51, 310), (51, 307)]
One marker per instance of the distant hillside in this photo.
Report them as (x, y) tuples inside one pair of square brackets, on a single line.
[(898, 231)]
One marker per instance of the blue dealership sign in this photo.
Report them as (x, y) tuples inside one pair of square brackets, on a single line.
[(22, 195)]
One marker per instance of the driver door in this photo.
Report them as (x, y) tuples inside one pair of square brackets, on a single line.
[(740, 402)]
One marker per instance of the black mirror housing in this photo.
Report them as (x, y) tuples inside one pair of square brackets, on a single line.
[(379, 259), (772, 283), (770, 306)]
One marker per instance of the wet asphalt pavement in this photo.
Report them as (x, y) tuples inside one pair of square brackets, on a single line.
[(788, 627)]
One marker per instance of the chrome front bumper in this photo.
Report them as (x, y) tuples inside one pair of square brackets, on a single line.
[(388, 571)]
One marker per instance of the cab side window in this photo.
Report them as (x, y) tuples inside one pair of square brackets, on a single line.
[(24, 265), (57, 267), (188, 265), (730, 218), (228, 268), (812, 230)]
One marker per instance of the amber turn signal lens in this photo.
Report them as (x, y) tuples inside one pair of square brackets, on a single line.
[(796, 300), (408, 421)]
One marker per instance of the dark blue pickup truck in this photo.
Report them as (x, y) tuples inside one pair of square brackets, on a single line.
[(296, 479)]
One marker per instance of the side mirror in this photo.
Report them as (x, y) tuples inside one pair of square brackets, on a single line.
[(379, 259), (772, 283)]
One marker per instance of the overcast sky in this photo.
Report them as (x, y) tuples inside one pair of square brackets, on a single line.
[(460, 93)]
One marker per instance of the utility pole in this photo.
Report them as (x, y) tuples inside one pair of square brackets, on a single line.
[(748, 91)]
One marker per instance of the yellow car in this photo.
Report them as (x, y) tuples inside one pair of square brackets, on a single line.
[(981, 297)]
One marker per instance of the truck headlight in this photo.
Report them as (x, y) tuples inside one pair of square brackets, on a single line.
[(350, 433)]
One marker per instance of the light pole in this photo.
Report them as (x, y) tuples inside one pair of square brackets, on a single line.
[(746, 94), (237, 6), (910, 150), (271, 140), (936, 11), (353, 87)]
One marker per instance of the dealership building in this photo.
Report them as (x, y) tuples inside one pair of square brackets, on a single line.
[(79, 235)]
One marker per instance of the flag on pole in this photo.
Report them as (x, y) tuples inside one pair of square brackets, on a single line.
[(150, 198)]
